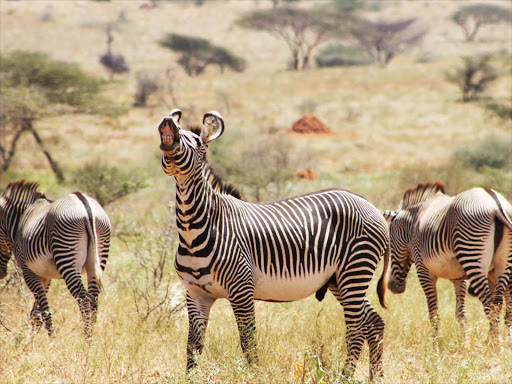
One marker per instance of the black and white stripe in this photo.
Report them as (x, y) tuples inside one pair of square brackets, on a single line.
[(279, 251), (59, 239), (464, 237)]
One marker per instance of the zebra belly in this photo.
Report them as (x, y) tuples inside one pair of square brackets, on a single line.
[(445, 266), (44, 266), (272, 288)]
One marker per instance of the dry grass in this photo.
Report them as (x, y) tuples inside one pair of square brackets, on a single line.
[(404, 118)]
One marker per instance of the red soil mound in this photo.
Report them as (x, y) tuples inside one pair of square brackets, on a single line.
[(310, 124), (307, 174)]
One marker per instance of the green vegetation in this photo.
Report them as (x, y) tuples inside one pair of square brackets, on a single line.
[(493, 151), (342, 56), (392, 128)]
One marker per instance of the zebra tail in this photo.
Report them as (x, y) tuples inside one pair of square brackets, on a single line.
[(501, 214), (383, 281), (92, 247)]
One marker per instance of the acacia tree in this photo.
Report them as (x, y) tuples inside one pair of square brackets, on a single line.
[(33, 87), (471, 17), (115, 63), (302, 30), (197, 54), (386, 39)]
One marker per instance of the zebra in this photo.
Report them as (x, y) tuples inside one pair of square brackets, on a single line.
[(460, 238), (54, 240), (279, 251)]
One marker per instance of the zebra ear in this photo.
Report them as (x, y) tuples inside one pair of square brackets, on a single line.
[(175, 114), (213, 126), (389, 215)]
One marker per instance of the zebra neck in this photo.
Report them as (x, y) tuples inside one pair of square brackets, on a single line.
[(196, 203)]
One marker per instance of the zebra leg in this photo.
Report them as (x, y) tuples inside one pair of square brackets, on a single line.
[(65, 259), (94, 291), (460, 299), (38, 287), (242, 302), (36, 318), (428, 284), (508, 305), (354, 310), (374, 334), (198, 314)]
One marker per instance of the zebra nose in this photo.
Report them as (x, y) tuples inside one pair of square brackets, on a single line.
[(396, 287)]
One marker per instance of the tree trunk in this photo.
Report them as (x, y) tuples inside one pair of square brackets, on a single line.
[(7, 158), (55, 165)]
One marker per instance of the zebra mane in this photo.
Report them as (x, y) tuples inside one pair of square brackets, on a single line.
[(421, 193), (22, 193), (213, 178)]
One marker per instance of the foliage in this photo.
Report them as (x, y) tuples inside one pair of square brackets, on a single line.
[(471, 17), (384, 40), (302, 30), (503, 111), (146, 85), (197, 53), (493, 152), (58, 82), (342, 56), (474, 76), (356, 5), (107, 183)]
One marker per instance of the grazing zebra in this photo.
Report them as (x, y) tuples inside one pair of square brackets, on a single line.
[(54, 240), (279, 251), (460, 238)]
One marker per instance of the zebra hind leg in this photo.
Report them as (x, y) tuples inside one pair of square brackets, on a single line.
[(198, 314), (40, 309), (508, 313), (36, 318), (374, 334)]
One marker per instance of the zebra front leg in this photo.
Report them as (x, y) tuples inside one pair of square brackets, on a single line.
[(460, 299), (242, 302), (198, 313), (38, 287), (428, 284)]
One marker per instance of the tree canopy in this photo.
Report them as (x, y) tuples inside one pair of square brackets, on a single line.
[(471, 17), (302, 30), (198, 53)]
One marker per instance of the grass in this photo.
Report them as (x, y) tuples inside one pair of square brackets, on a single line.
[(392, 127)]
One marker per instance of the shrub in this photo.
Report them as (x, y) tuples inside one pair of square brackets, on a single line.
[(473, 77), (493, 152), (107, 183), (147, 84), (341, 56), (114, 62)]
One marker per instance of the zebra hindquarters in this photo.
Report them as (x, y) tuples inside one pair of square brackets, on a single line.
[(363, 323)]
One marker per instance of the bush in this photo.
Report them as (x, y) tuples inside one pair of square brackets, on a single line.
[(473, 77), (493, 152), (106, 183), (114, 62), (147, 84), (342, 56)]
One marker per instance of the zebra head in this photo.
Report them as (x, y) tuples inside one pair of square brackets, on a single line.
[(184, 151), (401, 258)]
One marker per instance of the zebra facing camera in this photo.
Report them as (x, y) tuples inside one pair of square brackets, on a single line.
[(169, 132)]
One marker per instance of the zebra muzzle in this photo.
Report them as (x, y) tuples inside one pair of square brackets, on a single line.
[(168, 135)]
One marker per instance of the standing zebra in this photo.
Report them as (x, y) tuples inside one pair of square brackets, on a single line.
[(460, 238), (279, 251), (54, 240)]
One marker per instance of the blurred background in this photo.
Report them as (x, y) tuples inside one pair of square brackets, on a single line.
[(369, 96)]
